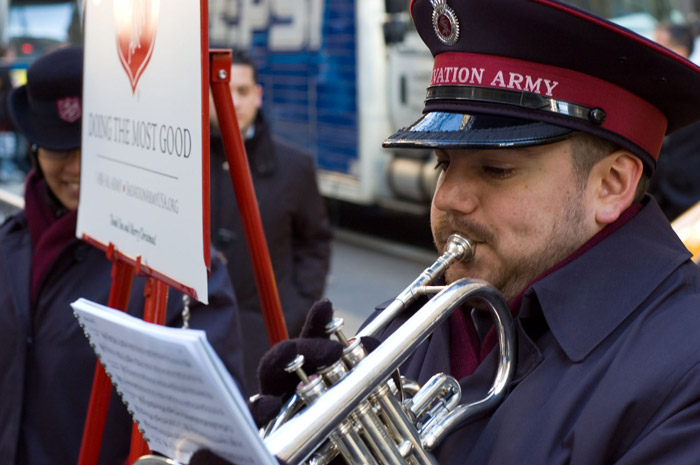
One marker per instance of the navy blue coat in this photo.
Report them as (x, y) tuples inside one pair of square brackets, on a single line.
[(297, 232), (608, 365), (47, 363)]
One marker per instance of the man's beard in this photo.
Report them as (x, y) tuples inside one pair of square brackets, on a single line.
[(565, 236)]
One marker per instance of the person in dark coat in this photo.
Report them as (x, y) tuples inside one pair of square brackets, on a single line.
[(547, 122), (293, 213), (676, 181), (48, 364), (605, 298)]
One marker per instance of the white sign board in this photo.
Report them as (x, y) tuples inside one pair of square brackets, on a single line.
[(141, 186)]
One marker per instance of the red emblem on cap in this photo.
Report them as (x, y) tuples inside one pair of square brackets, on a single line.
[(444, 26), (69, 109), (445, 22), (136, 22)]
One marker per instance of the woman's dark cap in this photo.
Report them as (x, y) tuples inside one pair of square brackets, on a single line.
[(47, 110)]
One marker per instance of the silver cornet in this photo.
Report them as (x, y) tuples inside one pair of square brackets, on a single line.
[(361, 409), (356, 409)]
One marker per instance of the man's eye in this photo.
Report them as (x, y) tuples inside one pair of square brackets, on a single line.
[(497, 172)]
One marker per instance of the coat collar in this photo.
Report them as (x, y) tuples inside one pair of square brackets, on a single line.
[(641, 255), (260, 149)]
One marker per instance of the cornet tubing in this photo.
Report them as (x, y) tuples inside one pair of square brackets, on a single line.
[(457, 249), (506, 369), (297, 439)]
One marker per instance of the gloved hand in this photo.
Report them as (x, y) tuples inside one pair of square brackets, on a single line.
[(207, 457), (276, 385)]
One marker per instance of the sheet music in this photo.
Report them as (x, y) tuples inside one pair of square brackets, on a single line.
[(174, 385)]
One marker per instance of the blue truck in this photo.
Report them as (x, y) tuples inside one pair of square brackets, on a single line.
[(338, 77)]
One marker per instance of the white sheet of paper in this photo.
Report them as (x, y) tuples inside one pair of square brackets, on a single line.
[(174, 385)]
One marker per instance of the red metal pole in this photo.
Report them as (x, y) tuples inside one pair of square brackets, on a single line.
[(155, 309), (156, 305), (122, 277), (220, 68)]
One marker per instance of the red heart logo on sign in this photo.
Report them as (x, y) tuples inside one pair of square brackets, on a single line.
[(136, 22)]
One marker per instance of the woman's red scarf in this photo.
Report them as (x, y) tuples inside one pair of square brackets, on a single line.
[(51, 227)]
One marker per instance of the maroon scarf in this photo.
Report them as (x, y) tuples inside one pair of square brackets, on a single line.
[(51, 227), (466, 352)]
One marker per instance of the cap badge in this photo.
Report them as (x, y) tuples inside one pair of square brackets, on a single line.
[(69, 109), (445, 22)]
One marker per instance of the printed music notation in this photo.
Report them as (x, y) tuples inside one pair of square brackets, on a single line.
[(174, 385)]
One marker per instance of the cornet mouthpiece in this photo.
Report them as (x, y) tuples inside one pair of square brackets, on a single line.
[(460, 247)]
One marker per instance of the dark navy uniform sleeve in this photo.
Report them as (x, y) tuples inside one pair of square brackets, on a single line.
[(673, 434)]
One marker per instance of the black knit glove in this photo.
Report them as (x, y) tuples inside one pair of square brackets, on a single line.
[(276, 385), (207, 457)]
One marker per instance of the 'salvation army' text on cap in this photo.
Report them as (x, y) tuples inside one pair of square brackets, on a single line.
[(511, 73)]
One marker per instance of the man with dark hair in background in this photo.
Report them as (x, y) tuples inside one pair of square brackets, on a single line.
[(293, 214)]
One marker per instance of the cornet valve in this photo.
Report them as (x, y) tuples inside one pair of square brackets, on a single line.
[(295, 366), (334, 327)]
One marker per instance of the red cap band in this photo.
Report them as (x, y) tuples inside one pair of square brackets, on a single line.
[(626, 114)]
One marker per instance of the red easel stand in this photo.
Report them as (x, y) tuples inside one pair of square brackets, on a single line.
[(220, 69), (122, 277), (157, 289), (156, 306)]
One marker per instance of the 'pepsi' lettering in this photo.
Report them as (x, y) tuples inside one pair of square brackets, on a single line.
[(292, 26)]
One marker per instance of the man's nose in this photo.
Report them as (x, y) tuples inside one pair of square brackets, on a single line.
[(455, 193)]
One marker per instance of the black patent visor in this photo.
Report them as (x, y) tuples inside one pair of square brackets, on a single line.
[(458, 130)]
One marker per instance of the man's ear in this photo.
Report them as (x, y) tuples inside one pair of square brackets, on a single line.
[(615, 180)]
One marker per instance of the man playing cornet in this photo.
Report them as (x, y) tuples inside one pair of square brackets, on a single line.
[(546, 123)]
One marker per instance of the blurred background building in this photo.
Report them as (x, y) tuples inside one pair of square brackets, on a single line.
[(339, 76)]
